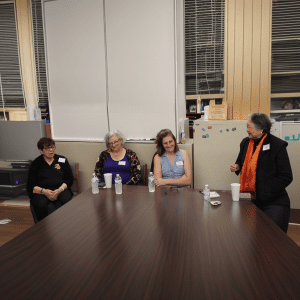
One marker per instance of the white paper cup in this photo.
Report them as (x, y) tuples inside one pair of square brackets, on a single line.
[(235, 191), (108, 180)]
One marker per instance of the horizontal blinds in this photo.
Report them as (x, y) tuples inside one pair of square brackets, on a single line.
[(204, 46), (9, 58), (40, 61), (285, 46)]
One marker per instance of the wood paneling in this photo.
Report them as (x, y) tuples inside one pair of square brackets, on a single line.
[(247, 57)]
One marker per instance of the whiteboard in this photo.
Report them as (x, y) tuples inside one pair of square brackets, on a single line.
[(114, 65), (75, 49), (141, 66)]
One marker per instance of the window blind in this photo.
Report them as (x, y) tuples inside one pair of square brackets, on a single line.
[(204, 46), (40, 61), (285, 46), (12, 88)]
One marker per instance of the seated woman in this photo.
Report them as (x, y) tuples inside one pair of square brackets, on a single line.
[(171, 165), (118, 160), (49, 180)]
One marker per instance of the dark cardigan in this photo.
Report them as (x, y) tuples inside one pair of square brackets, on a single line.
[(273, 173)]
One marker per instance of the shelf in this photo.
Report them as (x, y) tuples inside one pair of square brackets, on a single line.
[(286, 111)]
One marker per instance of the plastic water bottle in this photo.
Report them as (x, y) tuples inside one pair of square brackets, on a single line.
[(118, 184), (206, 192), (37, 114), (151, 183), (95, 181)]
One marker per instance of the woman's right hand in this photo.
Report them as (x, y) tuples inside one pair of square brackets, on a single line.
[(234, 168), (51, 195)]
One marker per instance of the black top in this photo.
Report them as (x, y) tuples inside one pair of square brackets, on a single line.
[(49, 176), (273, 173)]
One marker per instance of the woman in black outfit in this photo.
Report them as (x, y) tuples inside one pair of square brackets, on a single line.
[(265, 169), (49, 180)]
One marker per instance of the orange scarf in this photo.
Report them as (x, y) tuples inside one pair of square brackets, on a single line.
[(248, 173)]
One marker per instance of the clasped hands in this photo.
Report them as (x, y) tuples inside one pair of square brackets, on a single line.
[(52, 195)]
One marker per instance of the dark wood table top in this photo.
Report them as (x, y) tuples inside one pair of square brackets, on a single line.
[(170, 244)]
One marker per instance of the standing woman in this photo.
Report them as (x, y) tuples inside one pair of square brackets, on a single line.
[(265, 170), (118, 160), (171, 164)]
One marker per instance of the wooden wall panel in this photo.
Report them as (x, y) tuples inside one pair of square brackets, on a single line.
[(229, 54), (238, 58), (247, 57), (256, 59), (247, 66)]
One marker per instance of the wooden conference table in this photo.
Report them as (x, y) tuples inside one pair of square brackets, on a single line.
[(170, 244)]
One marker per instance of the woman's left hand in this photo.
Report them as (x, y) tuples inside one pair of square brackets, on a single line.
[(57, 192), (160, 181)]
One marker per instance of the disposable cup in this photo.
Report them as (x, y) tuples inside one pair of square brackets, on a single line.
[(108, 180), (235, 191)]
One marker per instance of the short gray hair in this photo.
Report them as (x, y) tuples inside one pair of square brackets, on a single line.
[(110, 134), (261, 122)]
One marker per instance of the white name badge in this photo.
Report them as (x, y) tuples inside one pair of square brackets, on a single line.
[(266, 147), (62, 160), (122, 163), (179, 163)]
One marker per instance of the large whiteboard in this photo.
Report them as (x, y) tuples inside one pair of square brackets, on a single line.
[(114, 65), (75, 49)]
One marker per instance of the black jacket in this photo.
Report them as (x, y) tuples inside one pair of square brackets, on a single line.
[(273, 173), (49, 177)]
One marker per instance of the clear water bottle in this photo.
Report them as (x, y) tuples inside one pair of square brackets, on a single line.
[(118, 184), (95, 181), (151, 183), (37, 114), (206, 192)]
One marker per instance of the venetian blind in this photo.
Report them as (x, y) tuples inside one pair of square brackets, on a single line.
[(12, 88), (204, 46), (285, 46), (40, 61)]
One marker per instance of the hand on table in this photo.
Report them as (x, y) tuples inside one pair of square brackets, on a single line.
[(234, 168)]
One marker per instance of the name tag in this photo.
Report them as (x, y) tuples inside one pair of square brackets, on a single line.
[(266, 147), (122, 163), (179, 163), (62, 160)]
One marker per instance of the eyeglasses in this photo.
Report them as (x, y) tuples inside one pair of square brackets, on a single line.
[(50, 148), (114, 143)]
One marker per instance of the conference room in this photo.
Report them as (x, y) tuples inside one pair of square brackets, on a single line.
[(126, 65)]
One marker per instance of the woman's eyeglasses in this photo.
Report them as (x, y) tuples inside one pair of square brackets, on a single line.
[(114, 143), (50, 148)]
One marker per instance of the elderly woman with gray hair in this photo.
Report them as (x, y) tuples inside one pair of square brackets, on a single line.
[(265, 170), (118, 160)]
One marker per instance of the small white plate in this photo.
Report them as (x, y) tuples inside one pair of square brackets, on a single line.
[(215, 202)]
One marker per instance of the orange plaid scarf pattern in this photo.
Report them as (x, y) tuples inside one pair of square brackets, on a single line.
[(248, 173)]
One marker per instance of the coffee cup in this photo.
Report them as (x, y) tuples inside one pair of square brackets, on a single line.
[(235, 191), (108, 180)]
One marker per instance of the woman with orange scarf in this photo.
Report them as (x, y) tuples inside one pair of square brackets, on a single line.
[(265, 170)]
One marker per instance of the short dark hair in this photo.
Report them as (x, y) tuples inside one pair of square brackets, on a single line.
[(159, 138), (261, 122), (45, 143)]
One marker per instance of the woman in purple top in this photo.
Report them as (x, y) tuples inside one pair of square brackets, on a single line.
[(118, 160)]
